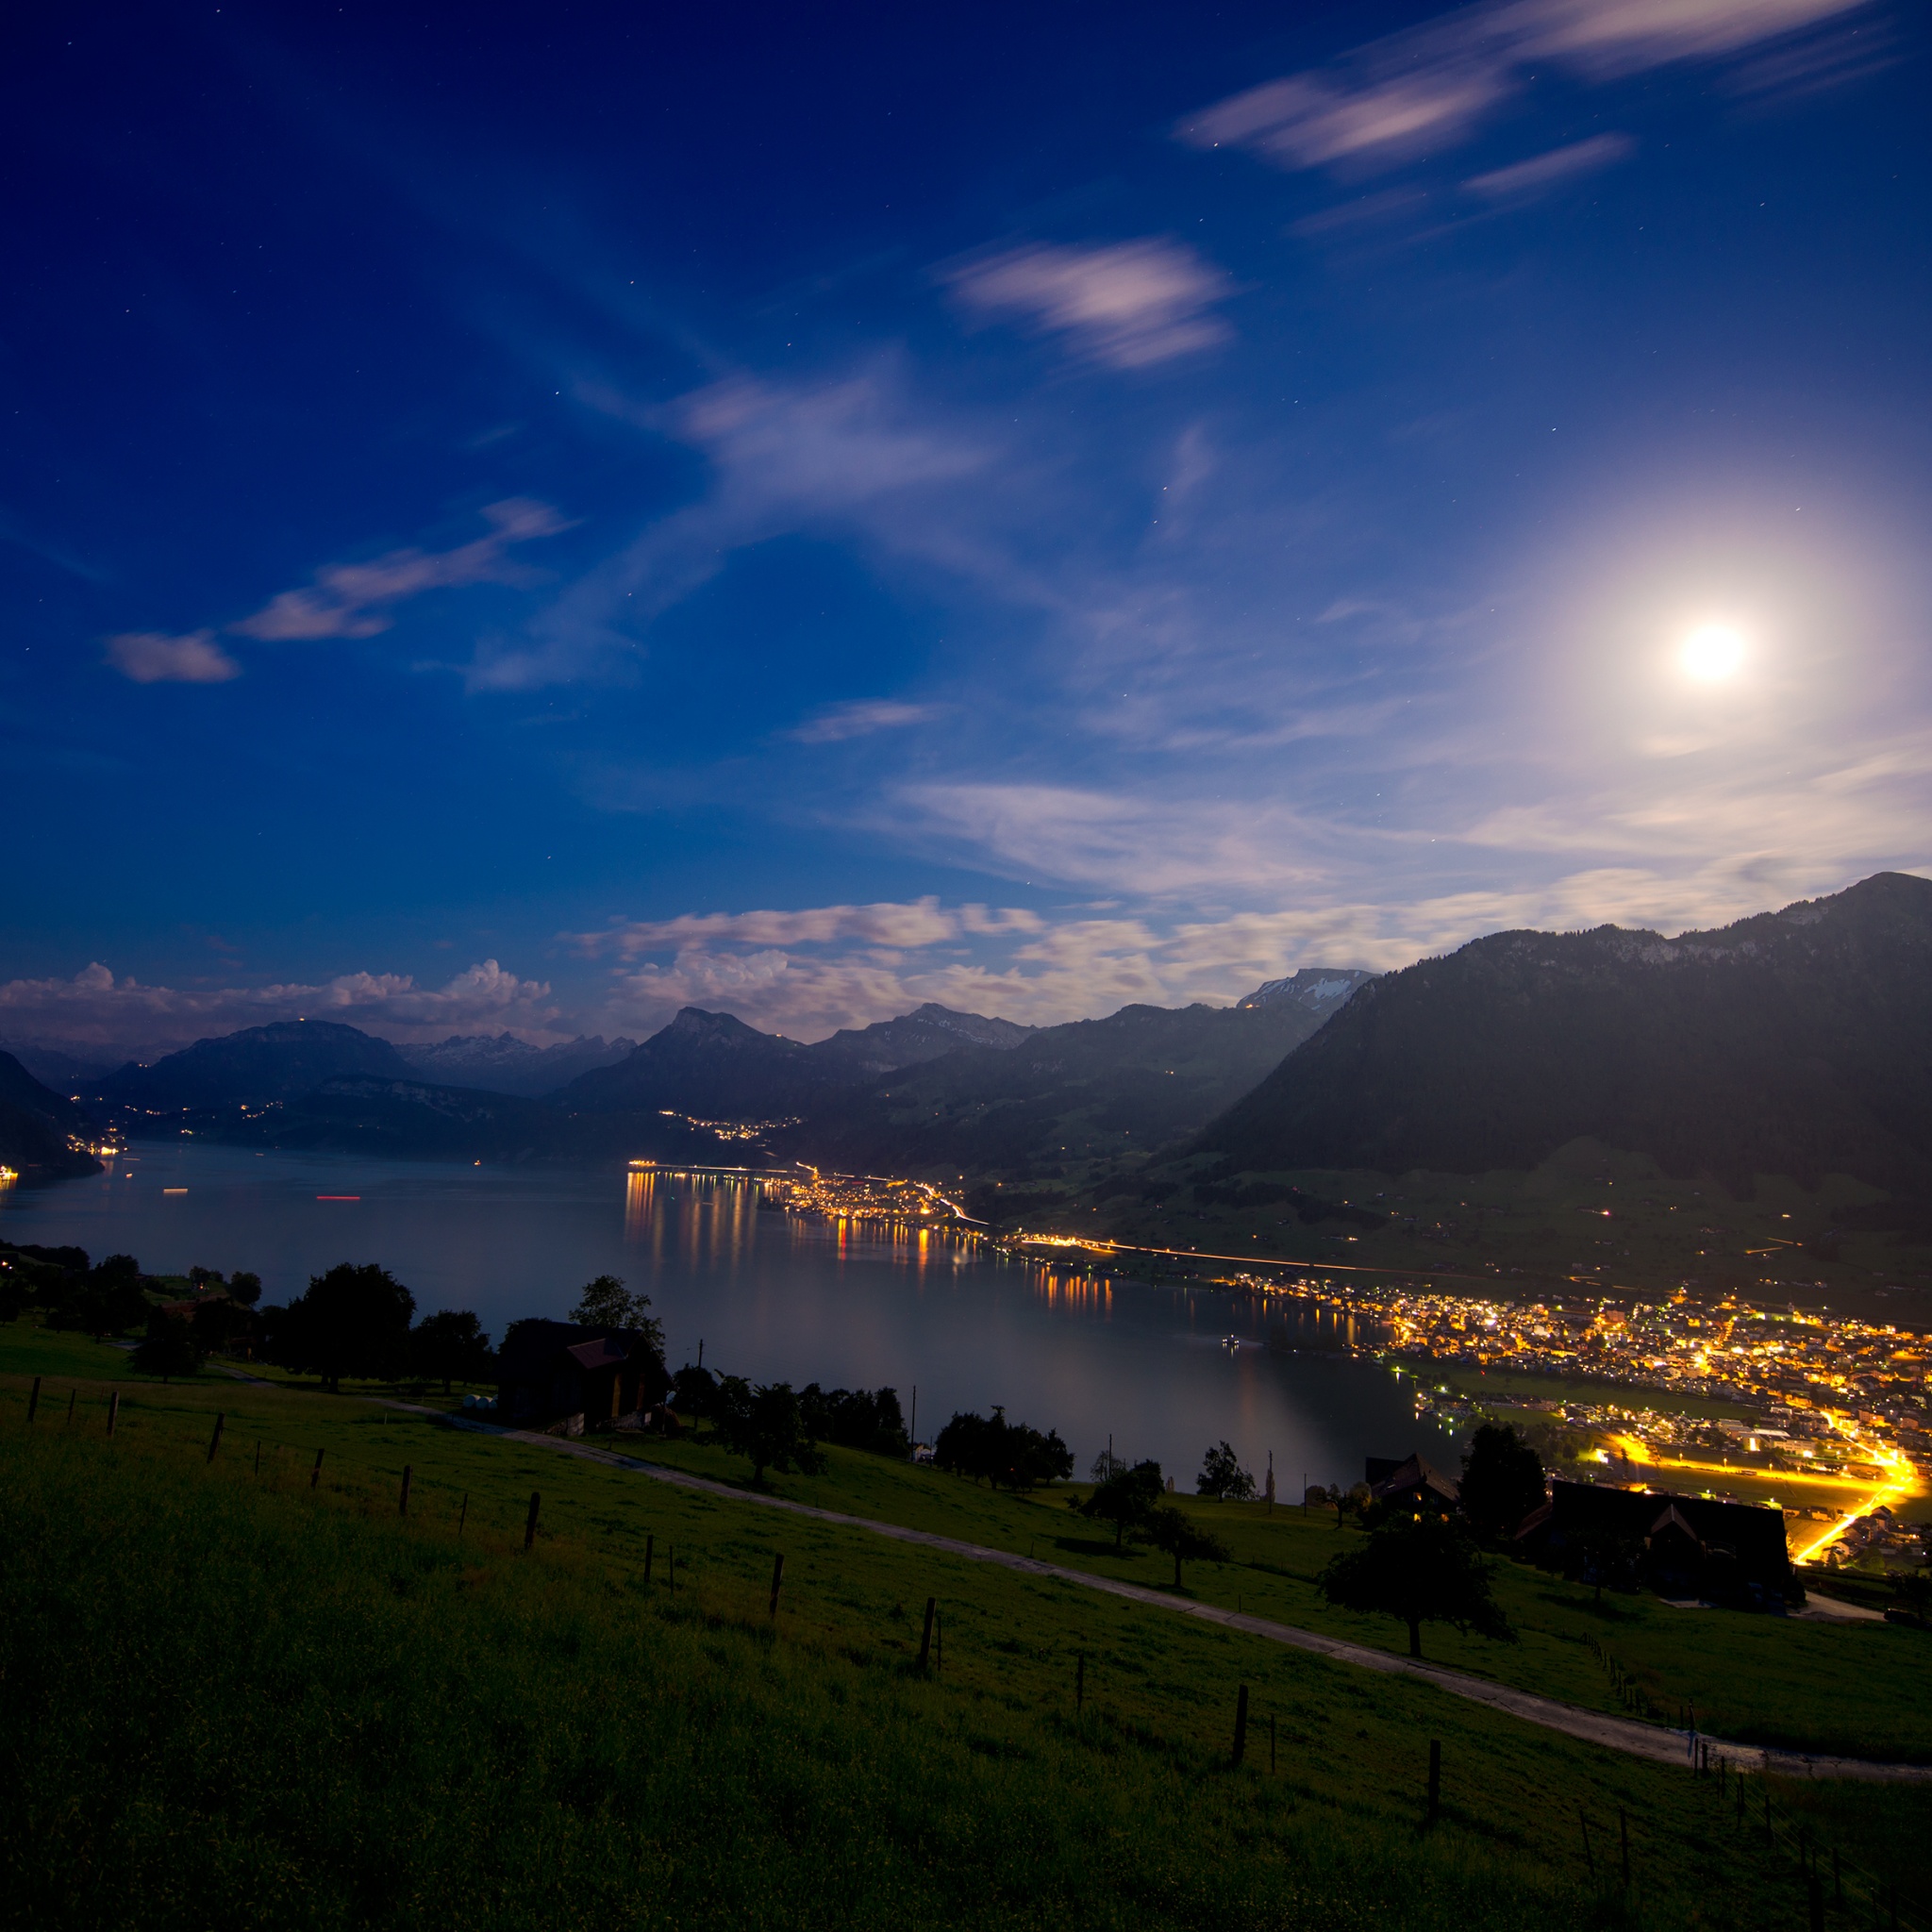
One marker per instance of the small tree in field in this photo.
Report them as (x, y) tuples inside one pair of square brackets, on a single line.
[(766, 1425), (1123, 1498), (1222, 1477), (1418, 1570), (449, 1343), (606, 1302), (352, 1320), (1175, 1531), (1502, 1480), (169, 1348)]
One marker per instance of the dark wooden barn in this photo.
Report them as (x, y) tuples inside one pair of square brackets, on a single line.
[(1681, 1546), (561, 1373)]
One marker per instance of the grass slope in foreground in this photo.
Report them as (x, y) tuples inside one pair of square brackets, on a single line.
[(232, 1698)]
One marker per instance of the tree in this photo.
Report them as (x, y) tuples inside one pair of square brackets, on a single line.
[(606, 1302), (693, 1391), (1222, 1477), (1913, 1590), (244, 1287), (1124, 1499), (1173, 1530), (169, 1348), (352, 1320), (1502, 1481), (856, 1418), (219, 1324), (1418, 1570), (448, 1344), (993, 1450), (765, 1424), (106, 1300)]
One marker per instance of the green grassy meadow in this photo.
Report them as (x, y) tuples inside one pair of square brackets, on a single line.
[(233, 1696)]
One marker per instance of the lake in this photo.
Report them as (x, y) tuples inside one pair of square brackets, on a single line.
[(771, 1296)]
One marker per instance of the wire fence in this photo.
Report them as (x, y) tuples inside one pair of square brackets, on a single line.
[(1832, 1890)]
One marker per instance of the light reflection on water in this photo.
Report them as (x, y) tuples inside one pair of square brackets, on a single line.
[(772, 1295)]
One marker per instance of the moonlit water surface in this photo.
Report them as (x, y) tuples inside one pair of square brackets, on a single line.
[(772, 1296)]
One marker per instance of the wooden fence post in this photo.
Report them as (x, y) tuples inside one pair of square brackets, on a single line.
[(1079, 1681), (1434, 1778), (214, 1442), (777, 1575), (530, 1527), (1270, 1743), (403, 1501), (257, 1455), (670, 1566), (925, 1635), (1240, 1726), (463, 1516), (73, 1396), (315, 1474), (33, 1401), (650, 1547), (1624, 1838), (1814, 1897), (113, 1410), (1589, 1856)]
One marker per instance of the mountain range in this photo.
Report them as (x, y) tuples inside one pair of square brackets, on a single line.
[(1796, 1043), (505, 1064), (37, 1128)]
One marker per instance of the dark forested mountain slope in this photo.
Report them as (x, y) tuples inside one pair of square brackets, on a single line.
[(1141, 1077), (252, 1067), (35, 1127), (1795, 1043), (708, 1065), (926, 1033)]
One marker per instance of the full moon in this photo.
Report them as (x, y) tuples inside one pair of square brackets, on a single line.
[(1711, 652)]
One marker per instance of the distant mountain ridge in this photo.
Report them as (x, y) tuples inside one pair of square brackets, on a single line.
[(715, 1067), (1796, 1043), (253, 1067), (36, 1124), (505, 1064)]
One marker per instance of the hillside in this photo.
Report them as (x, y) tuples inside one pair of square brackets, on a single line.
[(714, 1067), (1796, 1043), (1139, 1078), (253, 1067), (35, 1127)]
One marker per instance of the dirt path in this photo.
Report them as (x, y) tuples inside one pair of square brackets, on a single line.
[(1638, 1740)]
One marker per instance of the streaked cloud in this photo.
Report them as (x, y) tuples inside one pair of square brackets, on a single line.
[(151, 657), (356, 600), (1523, 179), (837, 723), (1431, 86), (904, 925), (1129, 305)]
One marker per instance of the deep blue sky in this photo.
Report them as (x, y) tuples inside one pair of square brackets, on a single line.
[(810, 511)]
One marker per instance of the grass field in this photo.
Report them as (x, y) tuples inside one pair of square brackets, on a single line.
[(452, 1729)]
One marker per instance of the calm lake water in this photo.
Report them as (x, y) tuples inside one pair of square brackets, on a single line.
[(769, 1296)]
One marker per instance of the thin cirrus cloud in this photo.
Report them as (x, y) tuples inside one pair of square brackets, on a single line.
[(1433, 85), (837, 723), (345, 600), (1523, 178), (150, 656), (898, 925), (1129, 305)]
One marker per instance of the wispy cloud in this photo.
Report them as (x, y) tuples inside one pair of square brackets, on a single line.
[(1130, 305), (1432, 86), (1524, 178), (837, 723), (150, 656), (95, 1007), (356, 600), (904, 925)]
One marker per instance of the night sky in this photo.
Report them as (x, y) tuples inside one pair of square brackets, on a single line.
[(529, 518)]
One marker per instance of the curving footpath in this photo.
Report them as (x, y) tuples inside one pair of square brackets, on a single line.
[(1657, 1743)]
